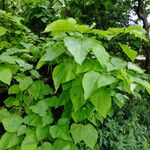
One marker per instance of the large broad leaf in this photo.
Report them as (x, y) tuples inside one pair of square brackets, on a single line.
[(5, 74), (61, 26), (144, 83), (119, 99), (4, 113), (101, 54), (30, 141), (77, 132), (128, 51), (93, 80), (77, 94), (42, 132), (61, 130), (88, 65), (63, 145), (12, 123), (134, 67), (101, 99), (9, 140), (91, 135), (6, 58), (51, 54), (85, 112), (90, 83), (138, 31), (45, 146), (86, 133), (63, 73), (32, 120), (2, 31), (78, 47), (24, 82), (38, 89)]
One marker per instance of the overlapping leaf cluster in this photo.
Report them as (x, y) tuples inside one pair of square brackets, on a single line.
[(84, 81)]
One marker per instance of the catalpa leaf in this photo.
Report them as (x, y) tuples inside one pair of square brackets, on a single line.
[(63, 73), (134, 67), (2, 31), (60, 144), (77, 97), (128, 51), (86, 133), (101, 99), (24, 82), (61, 130), (9, 140), (61, 26), (85, 112), (5, 74), (138, 31), (78, 47), (12, 122), (52, 53), (101, 54), (42, 132), (93, 80), (45, 146)]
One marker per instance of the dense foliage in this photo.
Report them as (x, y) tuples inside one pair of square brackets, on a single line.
[(64, 90)]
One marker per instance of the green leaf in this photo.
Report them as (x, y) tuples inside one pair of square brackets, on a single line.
[(88, 65), (21, 130), (5, 74), (42, 132), (101, 54), (63, 72), (134, 67), (63, 99), (35, 73), (61, 26), (86, 133), (52, 53), (82, 28), (138, 31), (93, 80), (90, 83), (11, 101), (77, 94), (9, 140), (77, 132), (116, 64), (119, 99), (32, 120), (101, 99), (61, 130), (14, 89), (128, 51), (91, 135), (12, 122), (24, 82), (29, 142), (45, 146), (47, 119), (41, 107), (6, 58), (144, 83), (38, 90), (79, 48), (4, 113), (85, 112), (63, 145), (22, 63), (2, 31)]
